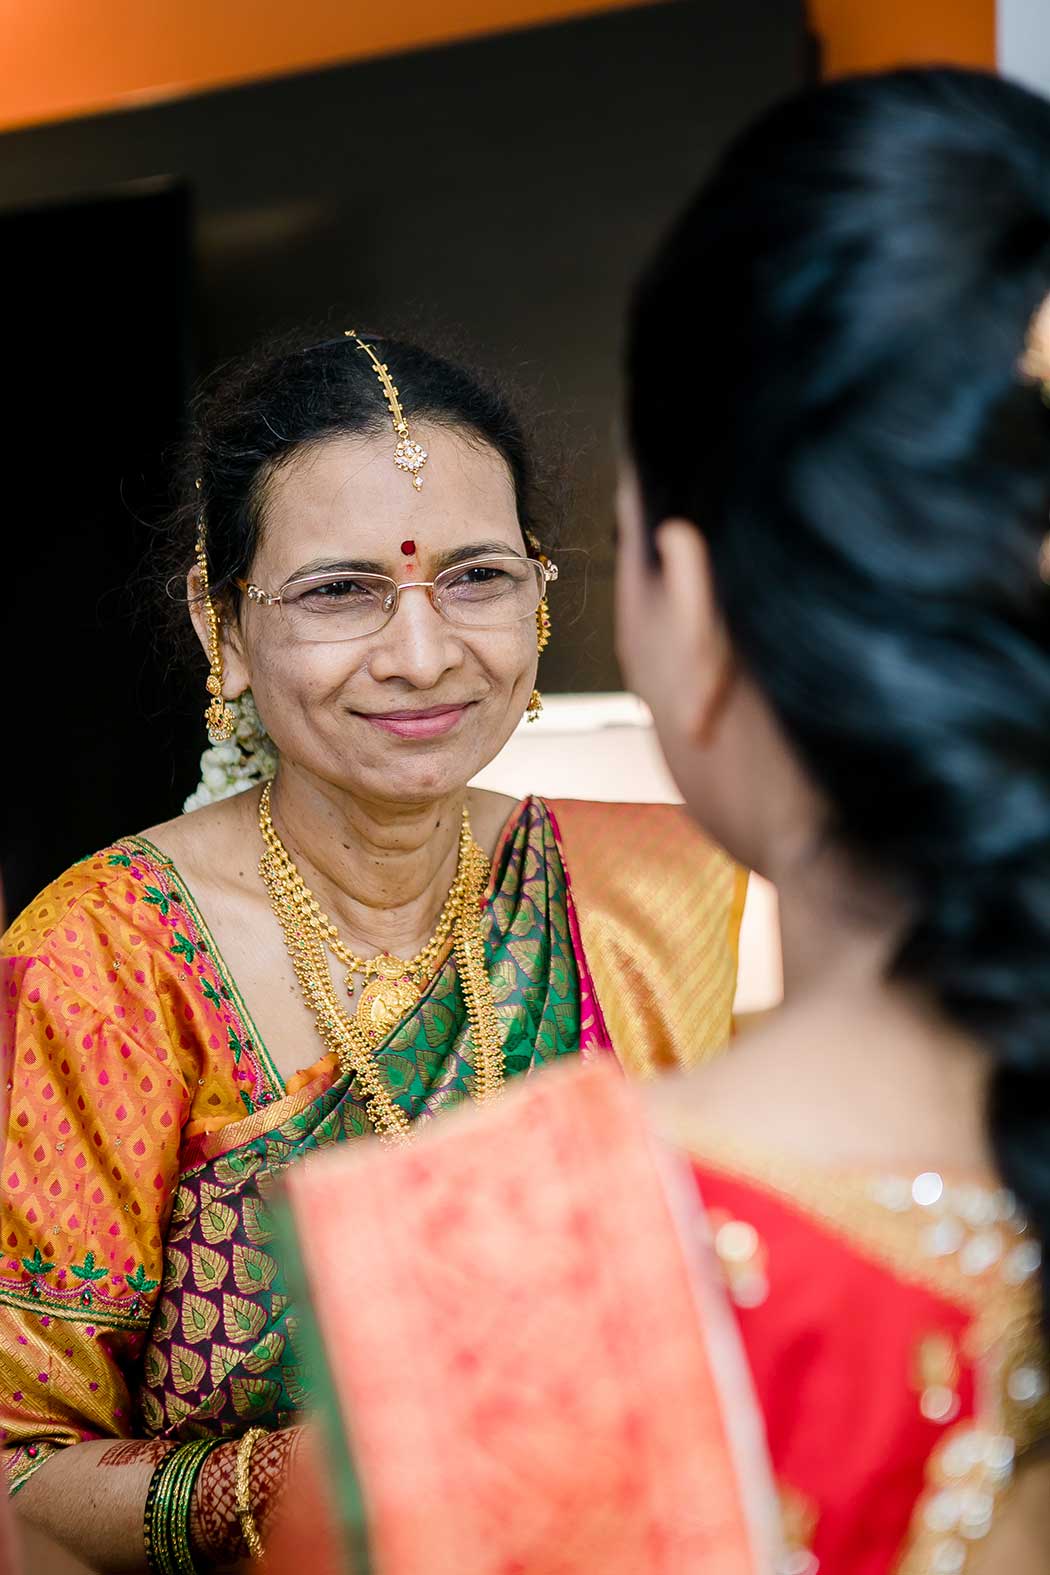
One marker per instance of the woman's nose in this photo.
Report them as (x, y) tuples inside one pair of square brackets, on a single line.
[(417, 644)]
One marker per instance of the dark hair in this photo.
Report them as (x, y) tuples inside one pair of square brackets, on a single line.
[(823, 373), (256, 413)]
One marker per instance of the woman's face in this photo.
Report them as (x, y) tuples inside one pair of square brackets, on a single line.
[(674, 653), (653, 636), (411, 713), (727, 754)]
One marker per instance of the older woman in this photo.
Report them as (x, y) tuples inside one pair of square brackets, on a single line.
[(346, 949)]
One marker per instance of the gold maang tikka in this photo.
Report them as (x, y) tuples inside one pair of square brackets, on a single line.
[(218, 718), (543, 629), (409, 456)]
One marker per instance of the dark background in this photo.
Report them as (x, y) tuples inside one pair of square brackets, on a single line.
[(494, 198)]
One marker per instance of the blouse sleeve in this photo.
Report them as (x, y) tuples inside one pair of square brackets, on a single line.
[(92, 1108), (659, 909)]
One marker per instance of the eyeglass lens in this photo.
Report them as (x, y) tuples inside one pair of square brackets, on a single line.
[(487, 593)]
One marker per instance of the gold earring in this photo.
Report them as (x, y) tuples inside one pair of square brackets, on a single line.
[(543, 626), (543, 635), (218, 718)]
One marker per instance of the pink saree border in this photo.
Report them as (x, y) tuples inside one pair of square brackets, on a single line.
[(595, 1039)]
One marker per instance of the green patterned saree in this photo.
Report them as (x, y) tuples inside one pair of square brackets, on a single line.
[(140, 1291), (224, 1348)]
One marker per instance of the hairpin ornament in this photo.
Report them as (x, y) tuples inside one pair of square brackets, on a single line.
[(409, 456)]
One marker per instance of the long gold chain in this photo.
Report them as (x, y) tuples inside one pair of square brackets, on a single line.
[(421, 965), (309, 935)]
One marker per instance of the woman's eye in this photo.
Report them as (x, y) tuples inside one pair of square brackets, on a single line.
[(337, 590), (480, 574)]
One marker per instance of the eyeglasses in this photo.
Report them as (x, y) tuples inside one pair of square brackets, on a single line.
[(486, 593)]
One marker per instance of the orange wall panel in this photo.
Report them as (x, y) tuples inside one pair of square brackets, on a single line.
[(867, 35), (63, 58)]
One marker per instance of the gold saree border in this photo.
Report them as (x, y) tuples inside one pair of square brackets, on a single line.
[(659, 909)]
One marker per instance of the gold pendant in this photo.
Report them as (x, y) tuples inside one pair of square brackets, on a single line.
[(386, 999)]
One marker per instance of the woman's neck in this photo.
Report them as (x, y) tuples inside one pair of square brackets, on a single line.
[(838, 928), (380, 871), (856, 1067), (841, 930)]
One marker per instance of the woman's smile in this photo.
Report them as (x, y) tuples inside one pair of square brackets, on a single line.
[(431, 722)]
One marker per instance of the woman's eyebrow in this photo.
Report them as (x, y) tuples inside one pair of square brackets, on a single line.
[(446, 560), (338, 566), (479, 549)]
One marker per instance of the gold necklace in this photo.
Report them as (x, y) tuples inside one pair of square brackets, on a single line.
[(393, 986)]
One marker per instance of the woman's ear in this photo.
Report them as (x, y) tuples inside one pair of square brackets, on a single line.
[(692, 624), (236, 675)]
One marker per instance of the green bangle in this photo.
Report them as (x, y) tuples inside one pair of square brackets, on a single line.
[(188, 1462), (151, 1509), (166, 1527)]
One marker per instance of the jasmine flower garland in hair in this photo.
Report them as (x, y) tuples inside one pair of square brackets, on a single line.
[(250, 757)]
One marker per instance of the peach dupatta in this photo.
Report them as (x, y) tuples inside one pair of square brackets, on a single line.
[(524, 1364)]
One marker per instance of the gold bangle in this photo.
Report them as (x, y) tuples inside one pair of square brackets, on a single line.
[(242, 1500)]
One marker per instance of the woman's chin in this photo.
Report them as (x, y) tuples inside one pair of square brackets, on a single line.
[(403, 765), (414, 774)]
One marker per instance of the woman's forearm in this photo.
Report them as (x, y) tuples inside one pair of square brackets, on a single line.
[(91, 1498)]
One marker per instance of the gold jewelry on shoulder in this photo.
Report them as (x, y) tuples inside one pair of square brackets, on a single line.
[(242, 1502), (393, 985), (409, 456)]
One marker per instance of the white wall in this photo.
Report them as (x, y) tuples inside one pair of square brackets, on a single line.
[(604, 747), (1023, 41)]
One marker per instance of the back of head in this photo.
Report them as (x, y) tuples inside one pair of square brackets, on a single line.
[(824, 374)]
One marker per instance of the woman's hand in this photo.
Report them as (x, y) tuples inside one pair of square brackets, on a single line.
[(215, 1530), (91, 1498)]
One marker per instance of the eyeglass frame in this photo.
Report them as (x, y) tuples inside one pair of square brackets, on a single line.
[(260, 598)]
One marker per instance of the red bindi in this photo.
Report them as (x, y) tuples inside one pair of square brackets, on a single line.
[(408, 548)]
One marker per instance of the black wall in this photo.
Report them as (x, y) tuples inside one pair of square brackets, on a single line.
[(497, 195), (96, 368)]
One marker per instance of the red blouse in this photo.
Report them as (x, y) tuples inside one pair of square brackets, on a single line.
[(892, 1434)]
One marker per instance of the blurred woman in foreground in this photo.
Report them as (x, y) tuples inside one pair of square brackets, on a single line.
[(834, 596)]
